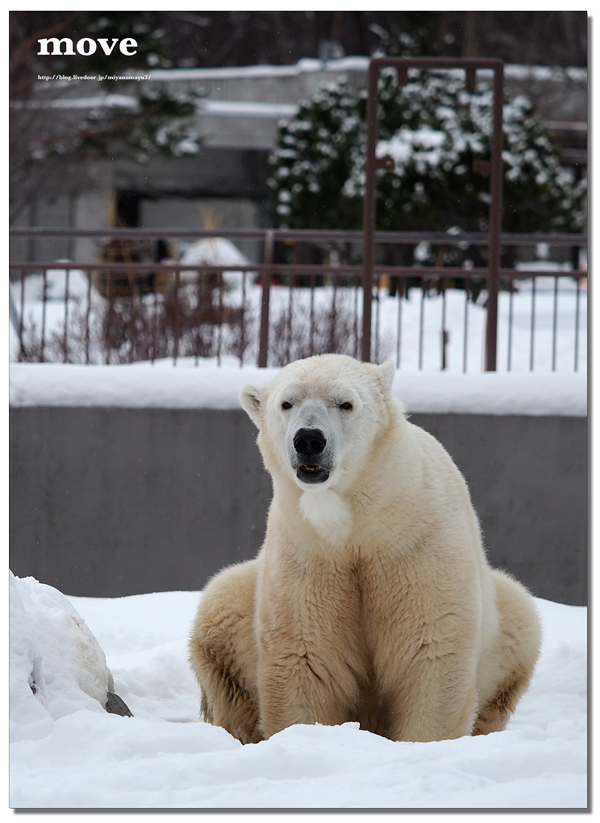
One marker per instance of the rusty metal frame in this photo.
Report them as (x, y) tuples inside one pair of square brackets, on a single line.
[(373, 163), (303, 235)]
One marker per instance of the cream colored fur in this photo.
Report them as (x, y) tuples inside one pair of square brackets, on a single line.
[(371, 598)]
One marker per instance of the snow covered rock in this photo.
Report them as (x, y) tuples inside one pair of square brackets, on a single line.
[(56, 664)]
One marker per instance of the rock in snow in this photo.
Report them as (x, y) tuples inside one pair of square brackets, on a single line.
[(56, 664)]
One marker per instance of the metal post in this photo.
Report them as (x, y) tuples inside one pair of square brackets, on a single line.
[(372, 163), (263, 350), (369, 208), (491, 331)]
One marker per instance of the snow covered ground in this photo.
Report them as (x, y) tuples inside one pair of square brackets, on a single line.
[(66, 752)]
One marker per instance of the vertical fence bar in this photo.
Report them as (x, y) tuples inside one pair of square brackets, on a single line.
[(421, 323), (290, 314), (331, 340), (355, 325), (510, 326), (400, 293), (196, 333), (531, 342), (108, 318), (220, 328), (311, 341), (65, 356), (176, 319), (263, 350), (466, 328), (377, 316), (491, 328), (44, 302), (554, 323), (131, 321), (293, 286), (87, 320), (243, 320), (577, 323), (154, 320), (444, 330), (13, 314), (22, 316)]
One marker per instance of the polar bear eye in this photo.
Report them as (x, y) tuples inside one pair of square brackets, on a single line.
[(346, 406), (285, 405)]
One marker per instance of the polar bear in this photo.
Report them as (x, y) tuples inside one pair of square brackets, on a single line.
[(371, 599)]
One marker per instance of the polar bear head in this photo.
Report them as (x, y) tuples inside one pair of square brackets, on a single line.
[(318, 420)]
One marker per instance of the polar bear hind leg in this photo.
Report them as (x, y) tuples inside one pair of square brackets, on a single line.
[(508, 670), (223, 652)]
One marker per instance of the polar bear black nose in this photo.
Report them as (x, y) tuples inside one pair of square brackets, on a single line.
[(309, 442)]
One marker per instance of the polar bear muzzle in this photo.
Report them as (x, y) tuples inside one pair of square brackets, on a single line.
[(309, 445)]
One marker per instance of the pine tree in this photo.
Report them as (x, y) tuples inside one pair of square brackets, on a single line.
[(435, 130), (314, 157)]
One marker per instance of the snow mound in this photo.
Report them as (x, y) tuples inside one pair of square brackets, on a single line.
[(213, 251), (56, 664)]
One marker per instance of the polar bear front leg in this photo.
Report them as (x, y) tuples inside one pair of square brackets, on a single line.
[(430, 691), (429, 712), (299, 689), (309, 664)]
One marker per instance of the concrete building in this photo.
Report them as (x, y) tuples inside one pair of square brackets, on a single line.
[(226, 182)]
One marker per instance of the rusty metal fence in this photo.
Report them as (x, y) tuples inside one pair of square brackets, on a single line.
[(276, 310)]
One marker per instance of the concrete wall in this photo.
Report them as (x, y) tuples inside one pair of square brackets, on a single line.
[(110, 502)]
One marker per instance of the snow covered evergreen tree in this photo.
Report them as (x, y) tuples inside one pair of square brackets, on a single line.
[(315, 155), (435, 130)]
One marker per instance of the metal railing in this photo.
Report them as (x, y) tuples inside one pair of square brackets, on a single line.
[(299, 289)]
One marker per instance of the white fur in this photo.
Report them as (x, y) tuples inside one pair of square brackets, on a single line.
[(329, 513)]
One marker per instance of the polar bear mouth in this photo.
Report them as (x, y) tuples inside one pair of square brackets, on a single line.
[(312, 474)]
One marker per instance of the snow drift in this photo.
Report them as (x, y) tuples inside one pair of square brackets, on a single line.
[(69, 753)]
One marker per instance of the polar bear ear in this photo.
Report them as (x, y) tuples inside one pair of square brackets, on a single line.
[(251, 398), (387, 372)]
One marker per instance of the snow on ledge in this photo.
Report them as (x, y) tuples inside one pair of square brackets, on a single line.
[(309, 65), (184, 386)]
